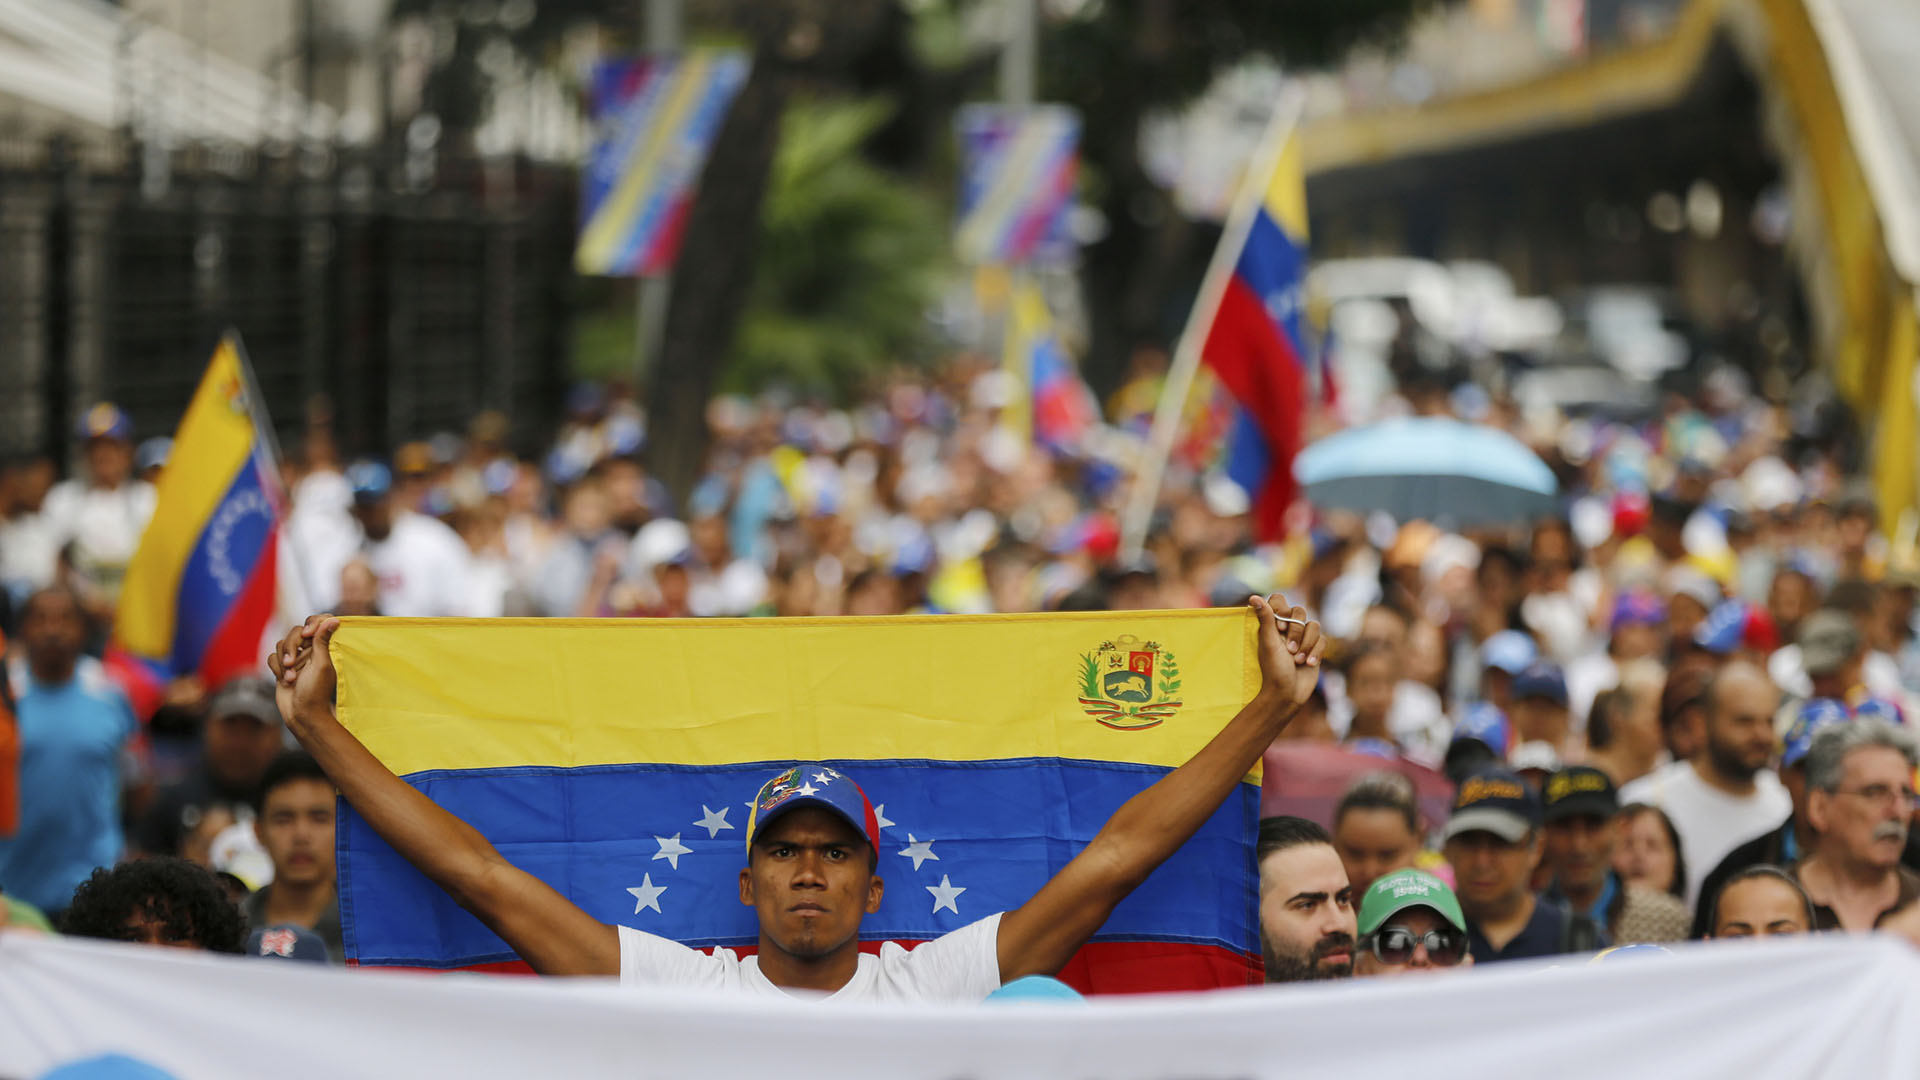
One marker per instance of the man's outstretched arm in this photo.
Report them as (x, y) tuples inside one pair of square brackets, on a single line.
[(1040, 936), (552, 935)]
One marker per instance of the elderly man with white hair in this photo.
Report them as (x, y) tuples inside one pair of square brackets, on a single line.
[(1859, 799)]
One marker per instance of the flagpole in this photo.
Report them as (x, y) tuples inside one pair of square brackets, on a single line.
[(1193, 339), (270, 443)]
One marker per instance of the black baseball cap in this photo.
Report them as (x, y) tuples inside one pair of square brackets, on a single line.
[(1579, 790), (1495, 801)]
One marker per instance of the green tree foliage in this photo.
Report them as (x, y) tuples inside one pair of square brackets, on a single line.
[(850, 258)]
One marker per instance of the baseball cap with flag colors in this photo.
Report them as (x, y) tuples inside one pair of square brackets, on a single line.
[(1808, 720), (811, 783)]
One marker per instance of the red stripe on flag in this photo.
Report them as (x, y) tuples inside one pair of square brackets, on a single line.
[(1100, 967), (659, 256), (1254, 361), (235, 647)]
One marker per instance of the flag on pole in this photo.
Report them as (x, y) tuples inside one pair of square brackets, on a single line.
[(1255, 349), (1054, 408), (201, 586), (1018, 167), (658, 118), (9, 758), (618, 759)]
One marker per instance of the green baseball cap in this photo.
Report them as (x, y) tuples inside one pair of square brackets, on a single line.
[(1390, 895)]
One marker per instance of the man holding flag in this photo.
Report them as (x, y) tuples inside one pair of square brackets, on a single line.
[(812, 857)]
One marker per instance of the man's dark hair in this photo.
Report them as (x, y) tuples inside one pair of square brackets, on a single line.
[(1362, 649), (1686, 688), (1286, 831), (1761, 870), (33, 599), (1383, 790), (291, 765), (1608, 707), (187, 899), (1853, 597)]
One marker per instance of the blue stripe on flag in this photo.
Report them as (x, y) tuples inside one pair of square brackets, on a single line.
[(233, 542), (1246, 455), (1273, 266), (678, 171), (997, 829)]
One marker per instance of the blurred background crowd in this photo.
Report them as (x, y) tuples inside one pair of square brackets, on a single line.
[(1646, 292)]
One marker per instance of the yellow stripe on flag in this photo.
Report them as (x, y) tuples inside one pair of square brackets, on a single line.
[(1286, 196), (426, 694), (213, 442), (604, 235), (1028, 320)]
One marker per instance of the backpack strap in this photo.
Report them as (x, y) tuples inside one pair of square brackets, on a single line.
[(1578, 933)]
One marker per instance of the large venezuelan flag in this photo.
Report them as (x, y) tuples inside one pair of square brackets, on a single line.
[(200, 589), (617, 761), (1255, 349)]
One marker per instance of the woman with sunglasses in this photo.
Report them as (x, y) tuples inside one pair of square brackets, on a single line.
[(1410, 922)]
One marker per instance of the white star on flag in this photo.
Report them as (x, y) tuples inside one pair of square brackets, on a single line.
[(823, 778), (919, 851), (711, 821), (647, 895), (809, 789), (671, 849), (944, 894), (880, 817)]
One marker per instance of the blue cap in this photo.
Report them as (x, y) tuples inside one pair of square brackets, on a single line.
[(1808, 720), (811, 783), (1720, 632), (369, 480), (1509, 650), (287, 941), (1635, 607), (1486, 724), (1496, 801), (1541, 679), (106, 421), (1029, 988), (499, 476), (1880, 709)]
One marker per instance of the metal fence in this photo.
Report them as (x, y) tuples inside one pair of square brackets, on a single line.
[(411, 299)]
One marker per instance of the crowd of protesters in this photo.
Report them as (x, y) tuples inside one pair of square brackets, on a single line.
[(1678, 708)]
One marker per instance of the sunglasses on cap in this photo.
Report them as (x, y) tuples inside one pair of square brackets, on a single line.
[(1395, 945)]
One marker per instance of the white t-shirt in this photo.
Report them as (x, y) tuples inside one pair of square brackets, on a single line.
[(1711, 822), (103, 524), (323, 531), (960, 966), (422, 567)]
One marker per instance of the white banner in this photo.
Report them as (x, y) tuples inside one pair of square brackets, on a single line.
[(1834, 1007)]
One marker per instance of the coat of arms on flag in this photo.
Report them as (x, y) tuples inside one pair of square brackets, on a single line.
[(1118, 687)]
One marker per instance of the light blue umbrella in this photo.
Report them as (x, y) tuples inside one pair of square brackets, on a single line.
[(1429, 468)]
